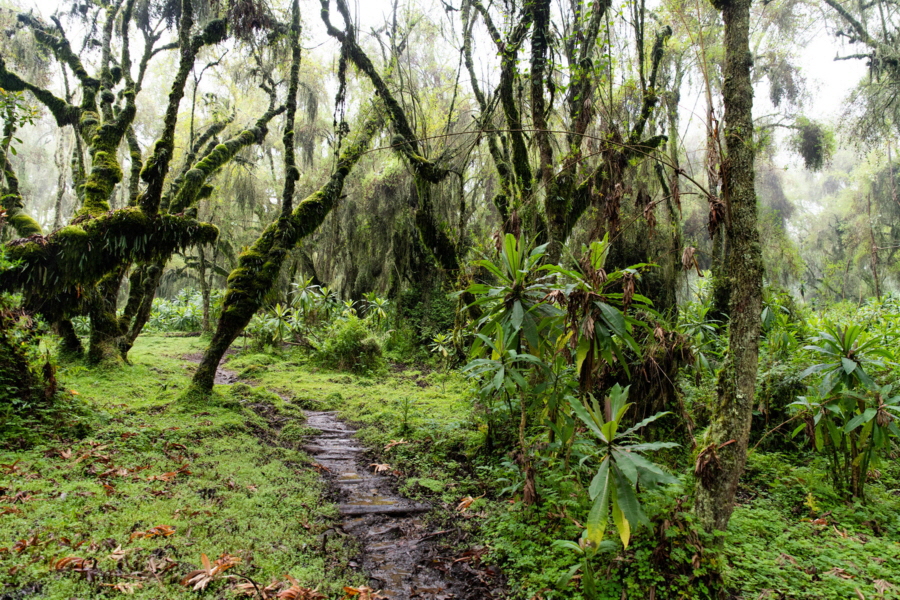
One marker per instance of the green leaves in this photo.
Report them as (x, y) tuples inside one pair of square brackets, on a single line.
[(848, 354), (613, 489)]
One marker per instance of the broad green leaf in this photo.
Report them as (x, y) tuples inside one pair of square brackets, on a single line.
[(619, 520), (849, 365), (626, 465), (627, 500), (518, 313), (858, 420), (566, 577), (833, 432), (646, 422), (653, 472), (596, 521), (584, 346), (582, 413), (598, 483), (613, 318)]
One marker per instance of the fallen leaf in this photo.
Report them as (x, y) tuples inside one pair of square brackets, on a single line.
[(201, 578), (117, 554), (11, 469), (125, 588), (380, 467), (158, 531), (266, 593), (465, 503), (395, 443), (840, 573), (297, 592), (364, 593), (70, 562)]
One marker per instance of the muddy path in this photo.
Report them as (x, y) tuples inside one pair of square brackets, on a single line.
[(402, 555)]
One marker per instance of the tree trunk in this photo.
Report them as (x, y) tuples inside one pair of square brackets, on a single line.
[(721, 462), (204, 289)]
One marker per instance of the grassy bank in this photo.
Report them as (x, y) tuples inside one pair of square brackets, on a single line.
[(129, 501)]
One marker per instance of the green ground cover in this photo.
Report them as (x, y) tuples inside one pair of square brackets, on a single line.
[(227, 482), (194, 479)]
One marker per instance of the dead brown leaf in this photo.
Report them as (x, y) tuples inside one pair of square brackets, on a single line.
[(395, 443), (840, 573), (71, 562), (266, 593), (298, 592), (117, 554), (364, 593), (125, 588), (158, 531), (11, 469), (380, 467), (201, 578)]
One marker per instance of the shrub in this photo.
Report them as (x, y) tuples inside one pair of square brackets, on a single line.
[(350, 347)]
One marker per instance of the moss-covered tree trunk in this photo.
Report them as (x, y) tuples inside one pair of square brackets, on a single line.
[(720, 463), (259, 266)]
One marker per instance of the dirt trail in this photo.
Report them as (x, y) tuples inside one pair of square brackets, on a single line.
[(399, 554)]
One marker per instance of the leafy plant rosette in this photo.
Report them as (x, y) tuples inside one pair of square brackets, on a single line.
[(622, 468)]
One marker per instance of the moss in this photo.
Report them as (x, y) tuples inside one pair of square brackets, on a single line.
[(82, 254), (259, 266), (24, 225)]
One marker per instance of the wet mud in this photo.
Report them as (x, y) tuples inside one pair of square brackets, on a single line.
[(399, 554)]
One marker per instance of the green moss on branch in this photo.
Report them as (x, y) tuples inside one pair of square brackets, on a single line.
[(259, 266), (80, 255)]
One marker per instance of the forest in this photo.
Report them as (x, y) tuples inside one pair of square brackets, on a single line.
[(473, 299)]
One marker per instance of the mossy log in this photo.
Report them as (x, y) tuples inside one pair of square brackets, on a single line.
[(259, 266)]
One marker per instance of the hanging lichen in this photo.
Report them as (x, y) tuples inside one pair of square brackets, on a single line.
[(813, 142)]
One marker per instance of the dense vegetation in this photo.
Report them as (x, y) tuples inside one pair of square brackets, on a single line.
[(543, 254)]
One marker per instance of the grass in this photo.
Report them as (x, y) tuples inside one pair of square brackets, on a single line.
[(209, 474)]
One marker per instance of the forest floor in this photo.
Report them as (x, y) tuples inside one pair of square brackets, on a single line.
[(133, 498)]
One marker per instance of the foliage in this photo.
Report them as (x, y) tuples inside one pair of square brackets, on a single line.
[(622, 466), (183, 313), (814, 142), (350, 346)]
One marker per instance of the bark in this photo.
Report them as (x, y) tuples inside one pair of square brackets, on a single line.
[(69, 342), (259, 266), (721, 461), (503, 197), (204, 289)]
